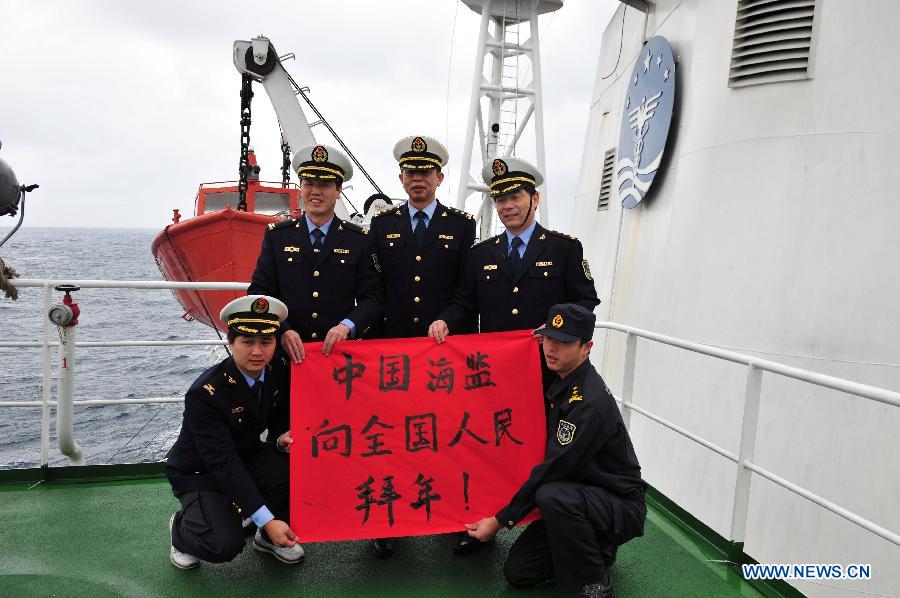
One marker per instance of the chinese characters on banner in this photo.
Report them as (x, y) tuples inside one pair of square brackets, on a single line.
[(402, 437)]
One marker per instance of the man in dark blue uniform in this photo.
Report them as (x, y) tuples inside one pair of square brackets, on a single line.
[(219, 468), (421, 248), (318, 264), (512, 279), (421, 245), (588, 488)]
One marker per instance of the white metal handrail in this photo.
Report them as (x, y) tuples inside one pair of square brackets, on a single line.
[(752, 393), (65, 403), (744, 460)]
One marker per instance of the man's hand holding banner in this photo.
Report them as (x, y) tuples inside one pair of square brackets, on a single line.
[(402, 437)]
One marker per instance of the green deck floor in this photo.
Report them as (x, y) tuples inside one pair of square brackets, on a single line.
[(111, 539)]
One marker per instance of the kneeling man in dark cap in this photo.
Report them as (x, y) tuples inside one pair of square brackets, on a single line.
[(588, 488), (219, 468)]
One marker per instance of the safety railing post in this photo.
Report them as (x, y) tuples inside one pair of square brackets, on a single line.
[(628, 378), (47, 381), (749, 426)]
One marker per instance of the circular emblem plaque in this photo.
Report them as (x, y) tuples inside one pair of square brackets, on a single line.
[(645, 120)]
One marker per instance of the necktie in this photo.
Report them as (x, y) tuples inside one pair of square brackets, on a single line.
[(256, 389), (419, 231), (514, 256), (318, 235)]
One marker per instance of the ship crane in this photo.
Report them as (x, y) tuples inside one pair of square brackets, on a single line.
[(256, 60)]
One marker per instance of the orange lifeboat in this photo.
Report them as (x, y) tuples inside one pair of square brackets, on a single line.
[(220, 243)]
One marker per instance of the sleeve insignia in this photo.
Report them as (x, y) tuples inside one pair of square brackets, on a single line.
[(210, 389), (587, 269), (376, 263), (576, 395), (565, 433)]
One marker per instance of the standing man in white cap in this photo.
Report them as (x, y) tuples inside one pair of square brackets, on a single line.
[(318, 264), (422, 248), (513, 278), (219, 468), (421, 245)]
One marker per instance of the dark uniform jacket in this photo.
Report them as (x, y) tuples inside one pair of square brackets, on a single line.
[(418, 284), (553, 271), (587, 443), (222, 424), (319, 289)]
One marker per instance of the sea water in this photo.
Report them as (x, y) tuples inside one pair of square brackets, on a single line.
[(108, 434)]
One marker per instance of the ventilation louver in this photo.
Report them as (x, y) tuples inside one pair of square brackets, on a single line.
[(772, 40), (609, 161)]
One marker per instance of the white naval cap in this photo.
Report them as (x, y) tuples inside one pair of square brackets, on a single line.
[(254, 315), (419, 153), (322, 162), (509, 173)]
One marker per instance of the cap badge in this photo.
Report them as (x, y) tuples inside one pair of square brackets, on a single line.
[(260, 306), (418, 145), (499, 167), (319, 154), (557, 321)]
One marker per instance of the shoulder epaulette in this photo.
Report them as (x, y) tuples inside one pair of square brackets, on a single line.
[(354, 227), (562, 235), (385, 212), (457, 212), (495, 238), (283, 223)]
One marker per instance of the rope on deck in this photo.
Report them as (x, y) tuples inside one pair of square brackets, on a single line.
[(6, 273)]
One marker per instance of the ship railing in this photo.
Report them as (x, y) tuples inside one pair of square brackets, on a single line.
[(749, 424), (65, 403)]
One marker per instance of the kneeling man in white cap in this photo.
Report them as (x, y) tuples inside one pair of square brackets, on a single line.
[(219, 469)]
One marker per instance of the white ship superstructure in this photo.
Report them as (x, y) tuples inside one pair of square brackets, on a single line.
[(770, 229)]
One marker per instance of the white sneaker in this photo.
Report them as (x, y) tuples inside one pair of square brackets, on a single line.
[(286, 554), (182, 560)]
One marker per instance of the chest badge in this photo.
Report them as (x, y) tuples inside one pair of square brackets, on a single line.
[(565, 433)]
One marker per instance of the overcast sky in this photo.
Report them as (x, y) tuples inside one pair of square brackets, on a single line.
[(119, 110)]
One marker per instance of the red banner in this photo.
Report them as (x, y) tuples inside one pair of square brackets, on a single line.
[(404, 437)]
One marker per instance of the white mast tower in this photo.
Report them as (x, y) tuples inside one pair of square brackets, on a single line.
[(501, 24)]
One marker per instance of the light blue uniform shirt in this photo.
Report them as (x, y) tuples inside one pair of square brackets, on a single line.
[(525, 235), (262, 515), (429, 213), (324, 228)]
